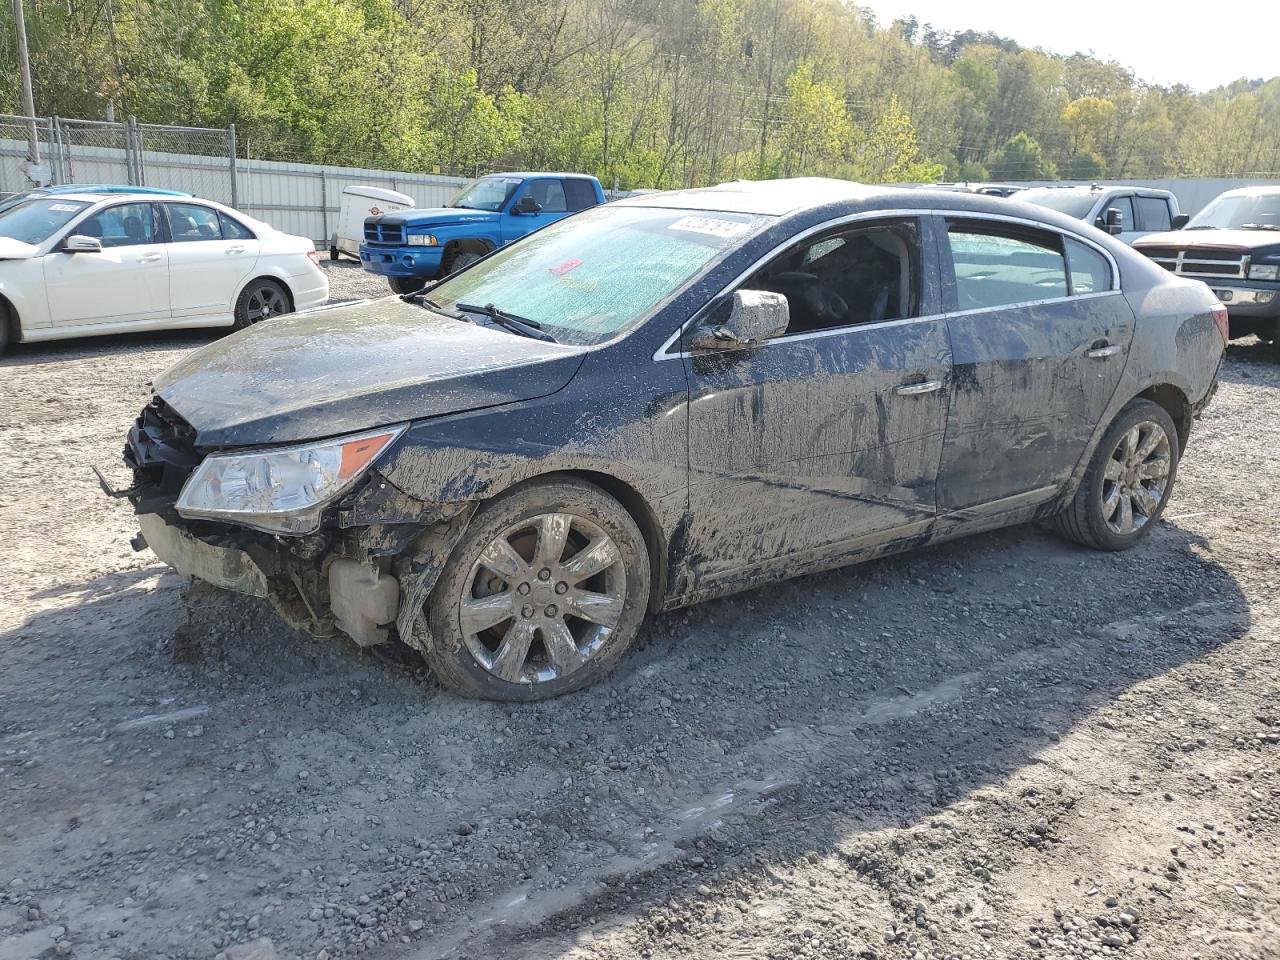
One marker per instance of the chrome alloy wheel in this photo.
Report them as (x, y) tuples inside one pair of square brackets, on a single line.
[(264, 303), (543, 598), (1136, 477)]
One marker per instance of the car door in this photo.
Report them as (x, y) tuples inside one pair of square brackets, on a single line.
[(1039, 336), (828, 436), (128, 281), (1128, 217), (549, 193), (211, 255)]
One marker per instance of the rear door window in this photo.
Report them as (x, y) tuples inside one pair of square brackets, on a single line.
[(233, 229), (189, 222), (1153, 214), (998, 264), (579, 194)]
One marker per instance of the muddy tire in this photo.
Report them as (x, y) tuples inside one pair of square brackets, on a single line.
[(461, 260), (1128, 481), (261, 300), (543, 594), (403, 285)]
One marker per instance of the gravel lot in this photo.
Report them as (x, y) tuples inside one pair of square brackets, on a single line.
[(1003, 747)]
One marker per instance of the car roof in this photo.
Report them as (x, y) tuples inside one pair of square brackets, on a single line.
[(1257, 190), (111, 188), (1100, 189), (527, 174), (769, 197)]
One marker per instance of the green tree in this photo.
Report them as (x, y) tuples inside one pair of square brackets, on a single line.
[(1022, 159)]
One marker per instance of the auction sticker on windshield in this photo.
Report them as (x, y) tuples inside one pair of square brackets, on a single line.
[(710, 225)]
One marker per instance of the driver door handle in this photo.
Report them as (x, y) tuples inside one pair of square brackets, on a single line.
[(1103, 351), (235, 249), (916, 389), (149, 258)]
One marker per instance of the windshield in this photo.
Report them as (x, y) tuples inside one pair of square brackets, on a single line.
[(487, 193), (1071, 202), (35, 221), (1259, 211), (589, 277)]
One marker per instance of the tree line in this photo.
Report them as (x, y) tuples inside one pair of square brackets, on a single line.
[(645, 93)]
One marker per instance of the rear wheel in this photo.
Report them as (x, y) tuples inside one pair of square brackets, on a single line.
[(7, 324), (544, 593), (403, 285), (261, 300), (1128, 482)]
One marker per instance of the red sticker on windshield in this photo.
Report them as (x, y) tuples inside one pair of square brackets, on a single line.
[(560, 269)]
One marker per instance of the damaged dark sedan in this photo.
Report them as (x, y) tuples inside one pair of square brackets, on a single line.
[(671, 398)]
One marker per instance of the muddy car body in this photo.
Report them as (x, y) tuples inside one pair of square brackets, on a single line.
[(752, 382)]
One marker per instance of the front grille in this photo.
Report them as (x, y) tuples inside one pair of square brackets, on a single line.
[(1200, 261), (161, 449), (377, 232)]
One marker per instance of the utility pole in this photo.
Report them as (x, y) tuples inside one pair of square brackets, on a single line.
[(24, 64)]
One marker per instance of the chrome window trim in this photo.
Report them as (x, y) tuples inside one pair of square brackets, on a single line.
[(1035, 303), (662, 353)]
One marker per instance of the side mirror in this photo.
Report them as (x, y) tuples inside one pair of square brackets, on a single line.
[(756, 316), (1115, 222), (79, 243), (1180, 221), (526, 205)]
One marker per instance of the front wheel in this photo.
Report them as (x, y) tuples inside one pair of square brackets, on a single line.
[(460, 261), (403, 285), (261, 300), (545, 591), (1128, 481)]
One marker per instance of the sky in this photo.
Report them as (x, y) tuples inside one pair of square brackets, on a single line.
[(1158, 42)]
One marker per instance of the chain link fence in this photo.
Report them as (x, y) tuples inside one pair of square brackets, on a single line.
[(35, 151)]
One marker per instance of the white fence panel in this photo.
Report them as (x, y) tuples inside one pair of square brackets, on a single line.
[(304, 198)]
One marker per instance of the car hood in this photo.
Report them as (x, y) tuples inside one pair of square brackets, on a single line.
[(438, 217), (16, 249), (1238, 239), (332, 371)]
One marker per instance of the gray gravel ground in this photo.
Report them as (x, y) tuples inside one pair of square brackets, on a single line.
[(1003, 747)]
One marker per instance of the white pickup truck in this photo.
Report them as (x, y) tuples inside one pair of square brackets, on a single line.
[(1124, 212)]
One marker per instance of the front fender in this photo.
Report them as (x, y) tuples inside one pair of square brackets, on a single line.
[(22, 286)]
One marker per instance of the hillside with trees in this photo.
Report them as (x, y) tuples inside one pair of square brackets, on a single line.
[(652, 93)]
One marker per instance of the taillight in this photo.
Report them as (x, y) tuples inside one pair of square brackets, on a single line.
[(315, 257), (1220, 318)]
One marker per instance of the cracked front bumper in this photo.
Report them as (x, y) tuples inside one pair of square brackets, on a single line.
[(223, 567)]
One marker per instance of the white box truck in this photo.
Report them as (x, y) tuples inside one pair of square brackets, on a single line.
[(359, 202)]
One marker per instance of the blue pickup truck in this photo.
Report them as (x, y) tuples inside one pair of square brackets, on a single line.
[(412, 247)]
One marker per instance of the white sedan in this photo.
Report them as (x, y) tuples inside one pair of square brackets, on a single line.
[(80, 264)]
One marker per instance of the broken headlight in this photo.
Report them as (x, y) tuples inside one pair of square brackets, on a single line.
[(281, 490)]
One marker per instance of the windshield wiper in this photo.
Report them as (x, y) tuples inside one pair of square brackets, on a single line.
[(517, 324), (1259, 226), (1203, 226), (420, 297)]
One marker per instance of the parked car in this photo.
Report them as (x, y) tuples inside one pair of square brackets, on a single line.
[(988, 189), (83, 264), (8, 202), (670, 398), (1233, 245), (412, 247), (1124, 212)]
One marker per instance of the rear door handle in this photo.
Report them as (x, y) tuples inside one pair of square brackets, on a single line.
[(915, 389), (149, 258), (235, 249), (1101, 353)]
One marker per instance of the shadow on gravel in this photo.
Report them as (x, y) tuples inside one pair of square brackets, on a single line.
[(58, 351), (742, 735), (1249, 353)]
